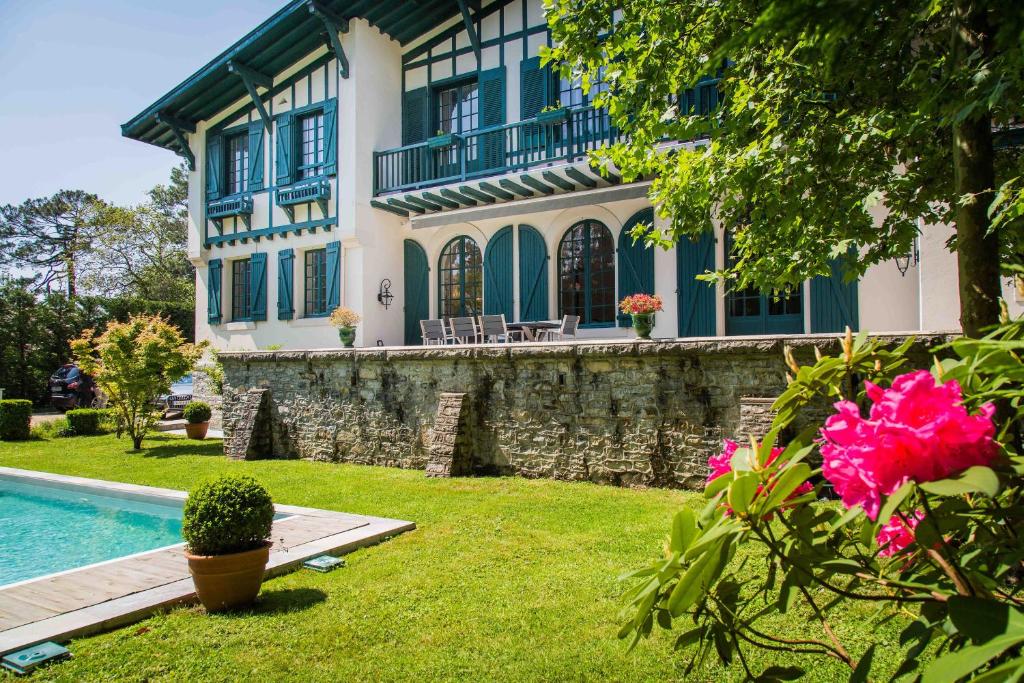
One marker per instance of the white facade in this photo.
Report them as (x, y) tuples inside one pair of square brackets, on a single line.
[(371, 239)]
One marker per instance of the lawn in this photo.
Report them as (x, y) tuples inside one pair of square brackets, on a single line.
[(505, 579)]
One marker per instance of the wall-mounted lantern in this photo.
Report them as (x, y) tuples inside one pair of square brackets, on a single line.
[(912, 258), (384, 295)]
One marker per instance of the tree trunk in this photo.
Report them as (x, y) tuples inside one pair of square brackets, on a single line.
[(977, 243), (69, 262), (137, 442)]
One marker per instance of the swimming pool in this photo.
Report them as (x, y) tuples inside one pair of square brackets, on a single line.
[(47, 528)]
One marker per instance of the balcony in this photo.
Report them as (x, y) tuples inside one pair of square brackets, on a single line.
[(559, 136)]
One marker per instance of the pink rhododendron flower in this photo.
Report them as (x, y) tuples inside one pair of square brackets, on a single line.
[(722, 464), (917, 430), (897, 535)]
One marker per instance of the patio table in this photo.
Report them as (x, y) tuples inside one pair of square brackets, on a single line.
[(531, 328)]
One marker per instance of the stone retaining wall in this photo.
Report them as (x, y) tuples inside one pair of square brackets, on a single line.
[(629, 413)]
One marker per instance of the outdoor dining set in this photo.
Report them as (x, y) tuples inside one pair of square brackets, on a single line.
[(494, 329)]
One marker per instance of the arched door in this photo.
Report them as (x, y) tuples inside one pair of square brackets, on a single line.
[(460, 279), (586, 274), (533, 275), (417, 291), (498, 274), (636, 262)]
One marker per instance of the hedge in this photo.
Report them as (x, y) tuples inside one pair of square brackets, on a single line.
[(15, 419), (84, 421)]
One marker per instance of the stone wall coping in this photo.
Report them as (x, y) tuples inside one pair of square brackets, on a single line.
[(598, 348)]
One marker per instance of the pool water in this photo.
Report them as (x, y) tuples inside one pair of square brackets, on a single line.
[(46, 529)]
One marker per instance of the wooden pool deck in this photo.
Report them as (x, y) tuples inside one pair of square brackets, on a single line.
[(102, 596)]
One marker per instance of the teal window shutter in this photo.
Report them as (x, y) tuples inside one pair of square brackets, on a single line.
[(415, 116), (258, 285), (491, 85), (285, 284), (213, 280), (331, 137), (256, 130), (535, 89), (636, 262), (533, 275), (333, 275), (417, 291), (834, 302), (498, 274), (214, 166), (695, 300), (284, 159)]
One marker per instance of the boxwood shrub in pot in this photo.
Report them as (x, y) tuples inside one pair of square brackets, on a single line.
[(197, 419), (226, 524)]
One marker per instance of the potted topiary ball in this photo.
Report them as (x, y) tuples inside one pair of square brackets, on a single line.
[(197, 419), (226, 526)]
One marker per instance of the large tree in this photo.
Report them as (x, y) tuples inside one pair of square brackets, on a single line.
[(828, 110), (49, 236)]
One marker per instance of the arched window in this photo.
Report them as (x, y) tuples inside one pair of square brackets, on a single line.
[(461, 276), (586, 274)]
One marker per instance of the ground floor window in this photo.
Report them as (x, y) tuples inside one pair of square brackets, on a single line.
[(241, 299), (586, 274), (316, 282), (461, 276), (750, 311)]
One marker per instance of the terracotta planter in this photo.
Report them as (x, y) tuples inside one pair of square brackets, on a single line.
[(224, 582), (197, 430)]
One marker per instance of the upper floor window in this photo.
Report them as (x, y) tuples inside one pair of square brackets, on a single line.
[(570, 92), (316, 282), (241, 298), (238, 164), (458, 108), (586, 273), (311, 145), (461, 275)]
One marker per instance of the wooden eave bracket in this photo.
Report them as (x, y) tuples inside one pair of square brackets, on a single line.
[(251, 79), (474, 39), (334, 25), (178, 129)]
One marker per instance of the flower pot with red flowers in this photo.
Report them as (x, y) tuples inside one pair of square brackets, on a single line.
[(226, 525), (197, 419), (641, 308)]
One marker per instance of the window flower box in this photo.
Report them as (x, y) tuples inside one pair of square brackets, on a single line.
[(230, 206), (305, 192), (553, 116), (446, 140)]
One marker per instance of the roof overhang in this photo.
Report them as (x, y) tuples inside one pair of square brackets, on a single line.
[(282, 40)]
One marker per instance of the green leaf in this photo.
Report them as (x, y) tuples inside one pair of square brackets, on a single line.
[(982, 620), (892, 503), (848, 516), (956, 665), (684, 530), (786, 483), (1010, 672), (742, 492), (689, 588), (743, 460), (976, 479), (780, 673)]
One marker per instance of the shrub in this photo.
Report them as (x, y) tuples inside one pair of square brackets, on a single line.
[(51, 429), (84, 421), (15, 419), (197, 412), (229, 515)]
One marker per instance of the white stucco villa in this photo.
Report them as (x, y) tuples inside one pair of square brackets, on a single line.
[(411, 159)]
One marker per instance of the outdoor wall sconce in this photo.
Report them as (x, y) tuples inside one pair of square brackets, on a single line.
[(904, 262), (384, 294)]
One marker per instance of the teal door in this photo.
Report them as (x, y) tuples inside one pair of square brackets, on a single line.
[(533, 275), (417, 291), (636, 262), (695, 300), (498, 274), (834, 301), (751, 311)]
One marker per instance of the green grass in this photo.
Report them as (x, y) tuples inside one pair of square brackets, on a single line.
[(504, 579)]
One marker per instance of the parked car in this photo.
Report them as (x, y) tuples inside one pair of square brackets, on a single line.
[(71, 388), (177, 397)]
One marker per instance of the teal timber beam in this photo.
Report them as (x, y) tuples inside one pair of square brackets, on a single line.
[(251, 79), (417, 201), (441, 200), (334, 25), (476, 194), (536, 184), (497, 191), (558, 180), (513, 186), (460, 198), (177, 127), (474, 39), (387, 207), (580, 177), (405, 205)]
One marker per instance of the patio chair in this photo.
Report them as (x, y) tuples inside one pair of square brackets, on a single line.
[(494, 329), (433, 332), (567, 329), (463, 330)]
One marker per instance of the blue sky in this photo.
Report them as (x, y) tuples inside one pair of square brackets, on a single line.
[(71, 72)]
